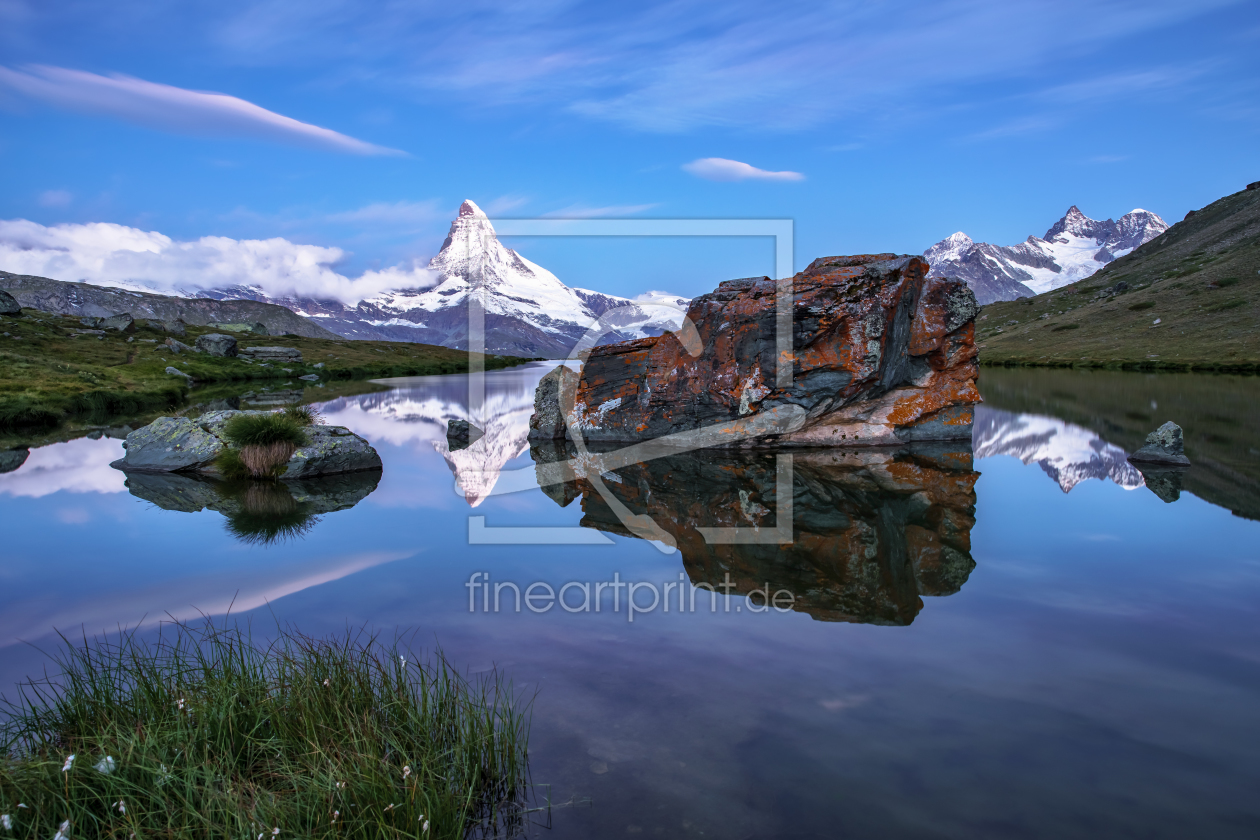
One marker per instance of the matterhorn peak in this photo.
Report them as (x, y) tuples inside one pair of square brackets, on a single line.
[(470, 208)]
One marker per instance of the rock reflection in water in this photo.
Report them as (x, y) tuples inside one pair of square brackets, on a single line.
[(873, 529), (257, 512)]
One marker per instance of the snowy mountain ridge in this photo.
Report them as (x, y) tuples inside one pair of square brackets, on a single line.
[(528, 310), (1073, 248)]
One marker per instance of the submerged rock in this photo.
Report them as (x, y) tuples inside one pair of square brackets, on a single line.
[(879, 354), (217, 344), (1164, 480), (1165, 445), (178, 444), (460, 434)]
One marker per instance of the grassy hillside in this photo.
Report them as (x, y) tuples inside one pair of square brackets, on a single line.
[(1200, 280), (50, 373)]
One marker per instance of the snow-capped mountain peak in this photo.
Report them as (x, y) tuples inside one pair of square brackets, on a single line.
[(1073, 248)]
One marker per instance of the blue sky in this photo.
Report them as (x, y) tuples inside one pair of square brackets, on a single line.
[(361, 126)]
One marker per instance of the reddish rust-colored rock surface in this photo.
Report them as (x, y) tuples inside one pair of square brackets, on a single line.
[(880, 355)]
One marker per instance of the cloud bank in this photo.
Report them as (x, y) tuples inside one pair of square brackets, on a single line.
[(174, 109), (721, 169), (106, 254)]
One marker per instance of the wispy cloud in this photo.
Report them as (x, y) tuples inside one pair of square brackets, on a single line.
[(722, 169), (108, 254), (173, 108), (397, 215), (504, 204), (581, 211), (55, 198)]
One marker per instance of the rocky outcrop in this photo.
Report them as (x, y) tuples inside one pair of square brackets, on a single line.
[(123, 322), (854, 536), (217, 344), (80, 299), (9, 305), (880, 354), (1165, 445), (271, 354), (547, 421), (180, 444)]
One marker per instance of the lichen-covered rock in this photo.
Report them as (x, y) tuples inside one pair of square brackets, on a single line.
[(174, 444), (217, 344), (880, 354), (547, 421), (11, 459), (169, 444), (333, 449), (9, 304), (1165, 445)]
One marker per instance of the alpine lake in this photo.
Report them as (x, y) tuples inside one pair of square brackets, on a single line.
[(1025, 637)]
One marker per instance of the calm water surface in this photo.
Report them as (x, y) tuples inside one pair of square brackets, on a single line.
[(1027, 639)]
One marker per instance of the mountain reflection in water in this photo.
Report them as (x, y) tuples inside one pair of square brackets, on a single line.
[(872, 531)]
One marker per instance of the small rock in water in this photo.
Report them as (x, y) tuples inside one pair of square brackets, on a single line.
[(1165, 445), (310, 377), (460, 434)]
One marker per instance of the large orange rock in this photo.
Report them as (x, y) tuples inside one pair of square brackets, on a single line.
[(879, 354)]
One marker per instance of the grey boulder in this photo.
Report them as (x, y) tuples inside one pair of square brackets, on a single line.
[(170, 371), (460, 434), (9, 304), (169, 444), (1165, 445), (217, 344), (333, 449), (179, 346), (11, 459), (122, 322), (547, 421)]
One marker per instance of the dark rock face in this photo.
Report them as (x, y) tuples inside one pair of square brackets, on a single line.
[(217, 344), (460, 434), (9, 305), (871, 531), (101, 301), (555, 391), (11, 459), (1165, 445), (881, 354)]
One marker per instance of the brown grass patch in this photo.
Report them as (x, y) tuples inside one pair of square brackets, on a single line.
[(261, 461)]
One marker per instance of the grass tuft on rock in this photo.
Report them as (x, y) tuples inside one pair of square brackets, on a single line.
[(264, 429), (206, 733), (303, 415)]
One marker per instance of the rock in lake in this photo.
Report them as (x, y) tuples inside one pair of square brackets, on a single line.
[(177, 444), (217, 344), (1165, 445), (460, 434), (879, 354), (169, 444), (11, 459), (9, 304), (555, 390), (271, 354)]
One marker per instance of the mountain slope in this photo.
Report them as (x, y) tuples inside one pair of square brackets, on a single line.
[(83, 299), (1073, 248), (528, 310), (1188, 299)]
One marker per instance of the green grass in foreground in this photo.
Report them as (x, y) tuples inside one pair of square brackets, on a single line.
[(51, 371), (207, 734)]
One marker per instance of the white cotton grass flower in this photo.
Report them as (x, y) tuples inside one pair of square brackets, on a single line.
[(69, 763), (336, 814), (406, 771), (275, 831), (63, 833), (121, 806), (106, 765), (6, 822), (180, 704), (425, 828), (327, 683)]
